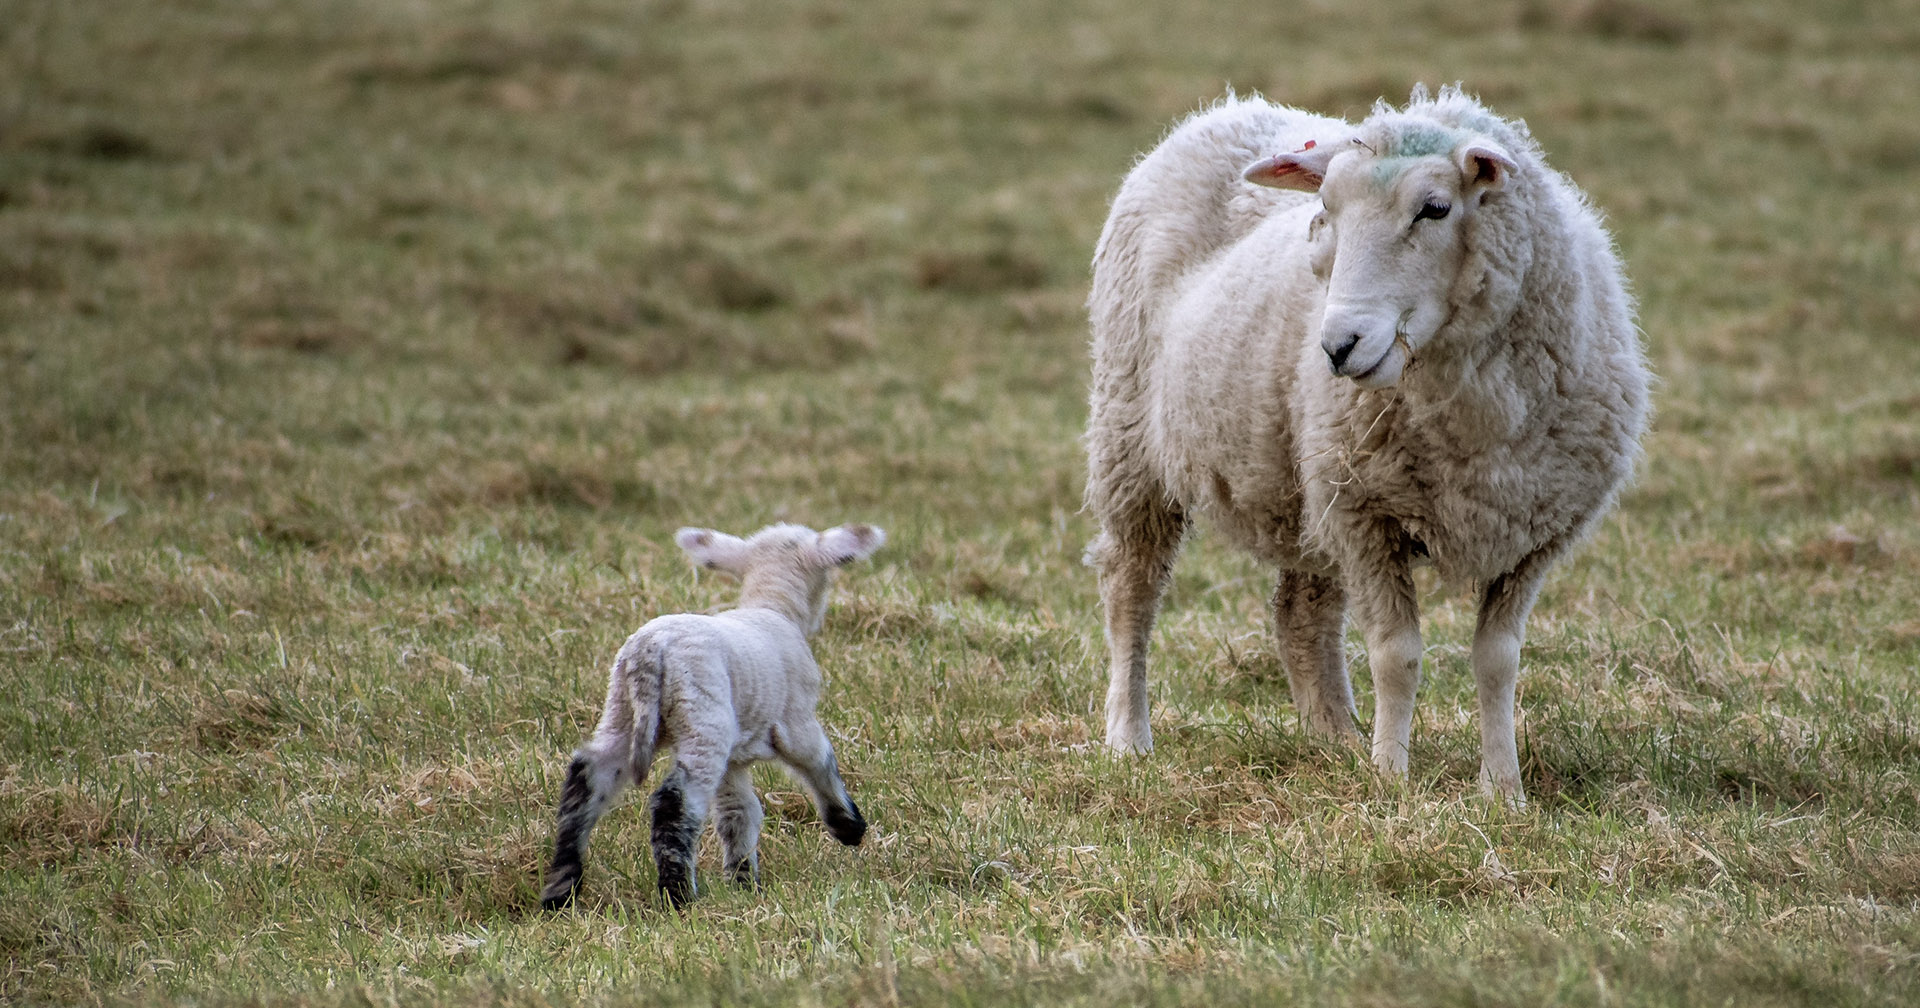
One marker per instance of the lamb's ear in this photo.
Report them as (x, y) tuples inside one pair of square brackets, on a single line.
[(716, 551), (843, 544), (1483, 166), (1303, 169)]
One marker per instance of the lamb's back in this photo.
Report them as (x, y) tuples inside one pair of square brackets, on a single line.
[(740, 667)]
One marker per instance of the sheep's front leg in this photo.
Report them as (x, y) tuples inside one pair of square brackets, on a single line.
[(1134, 557), (737, 818), (1309, 613), (805, 751), (1390, 618), (1497, 639)]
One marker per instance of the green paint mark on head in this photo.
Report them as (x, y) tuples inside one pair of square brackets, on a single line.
[(1410, 142), (1422, 140)]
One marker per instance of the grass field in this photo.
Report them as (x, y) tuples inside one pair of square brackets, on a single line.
[(358, 359)]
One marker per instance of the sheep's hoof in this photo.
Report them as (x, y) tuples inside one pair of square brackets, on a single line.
[(1390, 759), (1507, 793), (1127, 744), (1338, 728), (1512, 801)]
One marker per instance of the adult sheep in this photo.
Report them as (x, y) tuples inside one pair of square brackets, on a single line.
[(1435, 359)]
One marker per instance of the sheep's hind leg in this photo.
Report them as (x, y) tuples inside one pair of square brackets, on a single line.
[(806, 751), (1497, 640), (737, 818), (1309, 613), (1134, 557)]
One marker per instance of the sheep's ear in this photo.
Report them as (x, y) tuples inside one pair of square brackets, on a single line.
[(1484, 166), (716, 551), (843, 544), (1303, 169)]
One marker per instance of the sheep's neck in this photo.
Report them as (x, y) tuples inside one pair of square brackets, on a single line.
[(790, 593), (1482, 388)]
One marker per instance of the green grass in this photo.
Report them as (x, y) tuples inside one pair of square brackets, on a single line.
[(358, 359)]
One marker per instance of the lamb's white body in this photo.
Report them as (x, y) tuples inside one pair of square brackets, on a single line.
[(1484, 403), (725, 691)]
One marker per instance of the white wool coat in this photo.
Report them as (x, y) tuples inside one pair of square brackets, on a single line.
[(737, 675), (1508, 436)]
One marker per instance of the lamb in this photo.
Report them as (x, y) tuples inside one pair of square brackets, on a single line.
[(1436, 360), (726, 690)]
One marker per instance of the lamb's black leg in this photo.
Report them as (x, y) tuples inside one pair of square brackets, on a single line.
[(570, 846), (600, 770), (806, 751), (677, 818), (737, 818)]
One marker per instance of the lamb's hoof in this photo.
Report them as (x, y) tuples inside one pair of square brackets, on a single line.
[(675, 880), (678, 896), (559, 894), (1126, 742), (847, 825)]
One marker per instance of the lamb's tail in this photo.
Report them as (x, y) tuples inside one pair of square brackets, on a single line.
[(616, 758)]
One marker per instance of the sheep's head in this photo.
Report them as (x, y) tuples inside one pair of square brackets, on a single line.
[(786, 564), (1390, 240)]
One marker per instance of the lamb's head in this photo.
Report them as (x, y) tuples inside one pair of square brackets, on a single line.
[(783, 566), (1399, 197)]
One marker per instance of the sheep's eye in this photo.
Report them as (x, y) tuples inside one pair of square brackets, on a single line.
[(1433, 211)]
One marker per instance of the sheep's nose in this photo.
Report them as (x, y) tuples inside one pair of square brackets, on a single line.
[(1338, 348)]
